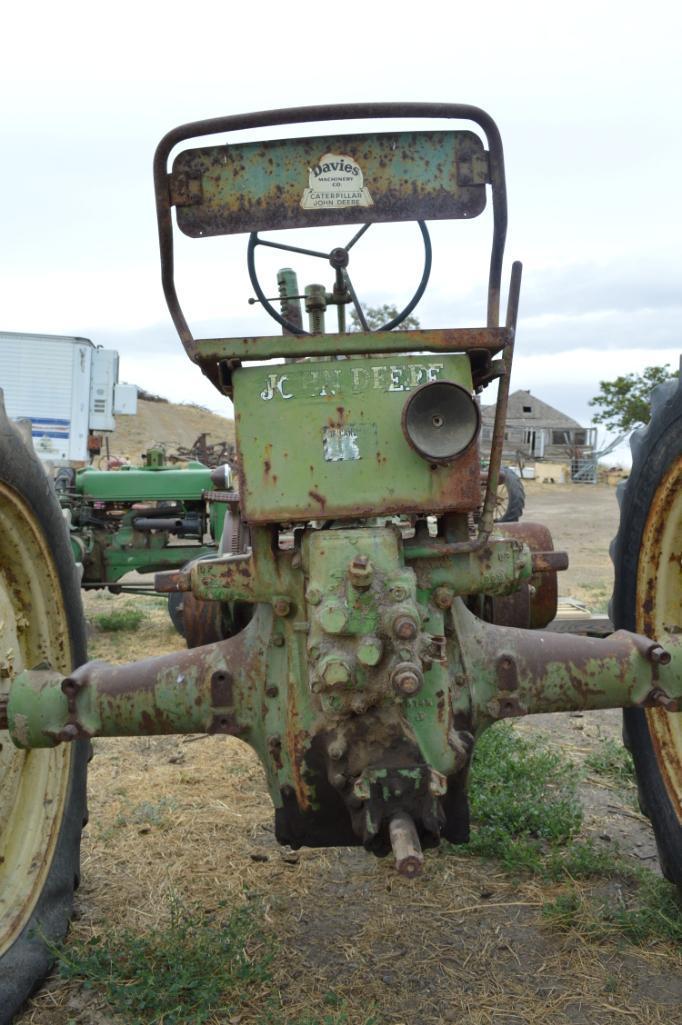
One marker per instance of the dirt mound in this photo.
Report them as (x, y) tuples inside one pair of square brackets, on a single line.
[(168, 423)]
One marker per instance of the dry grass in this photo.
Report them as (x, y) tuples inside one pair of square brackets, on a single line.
[(354, 943)]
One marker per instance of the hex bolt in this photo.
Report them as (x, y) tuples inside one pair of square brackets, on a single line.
[(313, 595), (281, 606), (658, 655), (360, 572), (663, 700), (333, 617), (398, 592), (407, 678), (443, 597), (335, 671), (370, 650), (405, 628)]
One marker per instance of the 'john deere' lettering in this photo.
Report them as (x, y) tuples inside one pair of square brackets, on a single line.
[(323, 382)]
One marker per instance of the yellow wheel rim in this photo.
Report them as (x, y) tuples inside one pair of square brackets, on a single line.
[(659, 613), (33, 784)]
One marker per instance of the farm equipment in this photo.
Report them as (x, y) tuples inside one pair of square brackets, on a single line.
[(388, 627), (125, 520), (147, 519)]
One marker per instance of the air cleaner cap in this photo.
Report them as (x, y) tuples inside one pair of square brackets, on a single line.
[(440, 421)]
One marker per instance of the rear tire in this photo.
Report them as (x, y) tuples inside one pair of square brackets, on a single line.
[(648, 599), (42, 793), (511, 497)]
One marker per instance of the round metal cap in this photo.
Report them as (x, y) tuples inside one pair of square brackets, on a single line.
[(440, 420)]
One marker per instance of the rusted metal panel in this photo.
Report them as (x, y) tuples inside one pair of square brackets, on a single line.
[(333, 446), (207, 352), (343, 179)]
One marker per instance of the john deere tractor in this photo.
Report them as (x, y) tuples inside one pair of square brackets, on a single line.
[(388, 625), (143, 519)]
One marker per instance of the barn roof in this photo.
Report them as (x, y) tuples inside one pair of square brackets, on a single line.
[(524, 408)]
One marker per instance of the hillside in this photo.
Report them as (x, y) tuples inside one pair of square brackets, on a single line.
[(170, 423)]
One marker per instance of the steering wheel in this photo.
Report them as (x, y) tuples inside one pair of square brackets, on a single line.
[(344, 291)]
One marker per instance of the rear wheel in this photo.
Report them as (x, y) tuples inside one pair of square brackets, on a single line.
[(42, 793), (510, 498), (647, 554)]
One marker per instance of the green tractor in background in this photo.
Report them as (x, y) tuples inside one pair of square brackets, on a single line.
[(388, 625), (150, 518)]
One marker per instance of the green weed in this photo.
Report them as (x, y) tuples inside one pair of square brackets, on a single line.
[(126, 618), (646, 910), (524, 800), (179, 973), (612, 761), (147, 813), (526, 814)]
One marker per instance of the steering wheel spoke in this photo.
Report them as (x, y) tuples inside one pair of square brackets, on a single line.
[(338, 259)]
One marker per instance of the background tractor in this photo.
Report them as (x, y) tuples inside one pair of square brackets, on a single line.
[(389, 625), (143, 519)]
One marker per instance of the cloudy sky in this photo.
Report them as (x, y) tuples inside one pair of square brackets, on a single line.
[(586, 95)]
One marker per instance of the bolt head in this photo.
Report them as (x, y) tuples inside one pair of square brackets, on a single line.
[(443, 597), (398, 592), (335, 671), (281, 607), (406, 628), (360, 572), (370, 650), (313, 595), (333, 618), (407, 679)]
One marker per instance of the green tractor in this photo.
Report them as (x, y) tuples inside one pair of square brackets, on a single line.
[(388, 625), (145, 519)]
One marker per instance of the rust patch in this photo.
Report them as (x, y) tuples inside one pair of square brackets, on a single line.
[(222, 689), (320, 499)]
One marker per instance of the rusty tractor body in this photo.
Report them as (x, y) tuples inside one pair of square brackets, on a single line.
[(388, 625)]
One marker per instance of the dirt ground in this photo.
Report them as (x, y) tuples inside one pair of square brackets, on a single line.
[(465, 943), (583, 520)]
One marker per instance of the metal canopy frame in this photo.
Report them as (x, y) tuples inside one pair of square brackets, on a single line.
[(198, 350)]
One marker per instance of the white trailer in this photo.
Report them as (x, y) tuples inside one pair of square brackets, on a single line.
[(66, 386)]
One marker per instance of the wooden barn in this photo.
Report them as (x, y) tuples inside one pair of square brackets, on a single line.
[(537, 432)]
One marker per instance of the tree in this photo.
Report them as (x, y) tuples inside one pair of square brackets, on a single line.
[(378, 315), (624, 401)]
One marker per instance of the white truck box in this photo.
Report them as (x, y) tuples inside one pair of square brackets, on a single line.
[(64, 385)]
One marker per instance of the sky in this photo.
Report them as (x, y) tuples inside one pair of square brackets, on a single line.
[(586, 96)]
